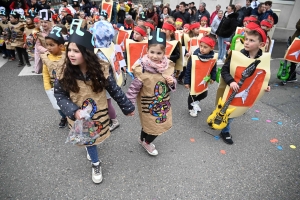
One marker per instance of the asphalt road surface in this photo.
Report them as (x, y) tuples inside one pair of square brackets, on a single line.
[(35, 162)]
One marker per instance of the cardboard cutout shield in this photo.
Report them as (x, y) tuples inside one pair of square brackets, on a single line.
[(253, 87), (179, 35), (135, 51), (200, 74), (115, 57), (239, 30), (170, 46), (121, 38), (205, 31), (107, 6), (293, 52)]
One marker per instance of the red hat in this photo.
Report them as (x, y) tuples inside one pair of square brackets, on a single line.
[(246, 19), (204, 18), (209, 41), (252, 19), (140, 31), (255, 27), (148, 24), (186, 26), (67, 11), (194, 25), (36, 20), (266, 23), (178, 20)]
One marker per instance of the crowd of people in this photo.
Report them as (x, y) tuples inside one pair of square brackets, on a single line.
[(82, 54)]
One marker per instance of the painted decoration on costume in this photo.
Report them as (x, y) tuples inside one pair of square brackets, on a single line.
[(121, 38), (158, 107), (293, 52), (107, 6), (86, 103)]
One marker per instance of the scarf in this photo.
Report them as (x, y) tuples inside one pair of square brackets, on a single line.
[(148, 64), (206, 57)]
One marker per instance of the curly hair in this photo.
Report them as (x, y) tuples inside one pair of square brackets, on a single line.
[(94, 69)]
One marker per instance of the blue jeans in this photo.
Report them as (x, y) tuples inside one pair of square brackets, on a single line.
[(62, 114), (119, 25), (222, 47), (227, 128), (93, 152)]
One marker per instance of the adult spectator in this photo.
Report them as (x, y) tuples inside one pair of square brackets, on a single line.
[(215, 13), (240, 12), (43, 5), (132, 11), (33, 5), (75, 2), (122, 9), (86, 7), (182, 14), (162, 16), (169, 9), (65, 4), (247, 9), (151, 14), (174, 11), (225, 30), (260, 11), (192, 4), (216, 22), (193, 14), (16, 4), (94, 4), (203, 12), (254, 4)]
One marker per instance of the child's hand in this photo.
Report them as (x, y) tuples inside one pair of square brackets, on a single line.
[(268, 89), (187, 54), (234, 86), (187, 86), (169, 80), (211, 81), (130, 114), (77, 114)]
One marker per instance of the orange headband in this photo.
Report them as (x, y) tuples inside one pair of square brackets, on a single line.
[(266, 23), (168, 26), (149, 25), (140, 31), (195, 25), (209, 41), (255, 27)]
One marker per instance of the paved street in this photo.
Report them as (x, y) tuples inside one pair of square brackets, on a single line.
[(35, 162)]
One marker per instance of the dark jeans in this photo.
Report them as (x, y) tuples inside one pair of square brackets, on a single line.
[(20, 52), (292, 70), (3, 50), (93, 152), (193, 98), (148, 138), (180, 77)]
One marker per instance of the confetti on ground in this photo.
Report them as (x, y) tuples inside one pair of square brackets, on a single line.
[(223, 152), (276, 85), (293, 146), (257, 111), (280, 123), (296, 87), (255, 119), (274, 140), (279, 147), (268, 120), (192, 140), (217, 137)]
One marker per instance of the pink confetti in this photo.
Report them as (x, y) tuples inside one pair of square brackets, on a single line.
[(268, 120), (257, 111)]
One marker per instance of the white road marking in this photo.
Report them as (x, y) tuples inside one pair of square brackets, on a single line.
[(27, 71)]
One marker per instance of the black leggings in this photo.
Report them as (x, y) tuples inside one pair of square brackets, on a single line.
[(196, 98), (148, 138), (292, 70), (182, 74), (20, 52)]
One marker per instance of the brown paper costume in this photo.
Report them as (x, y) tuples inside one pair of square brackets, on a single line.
[(55, 68), (253, 87), (200, 74), (16, 34), (154, 100)]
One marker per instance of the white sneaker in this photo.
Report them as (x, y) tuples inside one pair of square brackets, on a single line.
[(220, 62), (96, 173), (115, 124), (193, 113), (150, 148)]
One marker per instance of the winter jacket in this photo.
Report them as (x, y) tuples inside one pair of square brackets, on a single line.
[(215, 24), (194, 18), (212, 17), (188, 72), (247, 11), (201, 14), (225, 73), (227, 26), (240, 17), (184, 16), (260, 16), (297, 33), (86, 8)]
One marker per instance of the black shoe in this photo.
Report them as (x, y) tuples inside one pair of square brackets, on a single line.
[(179, 81), (28, 64), (21, 65), (227, 138), (63, 123), (4, 57), (292, 79)]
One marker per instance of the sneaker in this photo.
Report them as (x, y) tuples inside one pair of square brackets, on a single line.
[(115, 124), (150, 148), (220, 62), (96, 173), (292, 79), (11, 59), (227, 138), (28, 64), (180, 82), (193, 113), (21, 65), (4, 56), (140, 142), (63, 123)]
